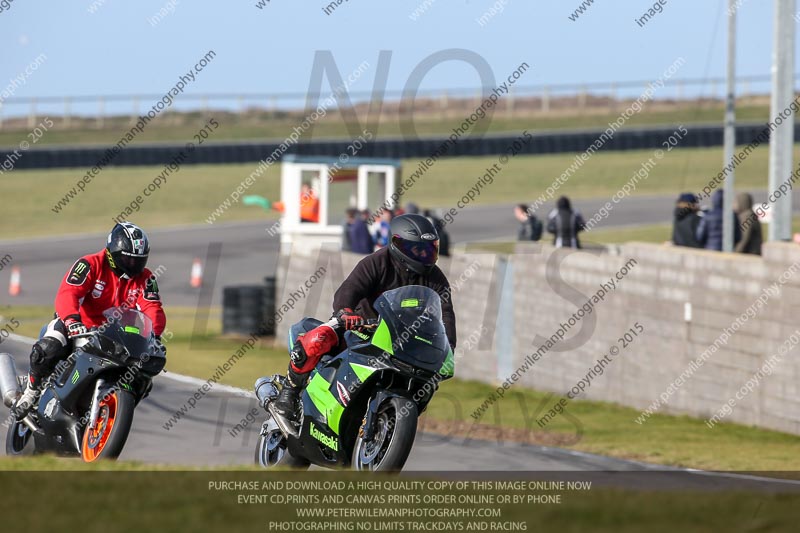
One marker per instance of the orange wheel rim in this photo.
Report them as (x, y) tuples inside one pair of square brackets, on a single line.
[(95, 438)]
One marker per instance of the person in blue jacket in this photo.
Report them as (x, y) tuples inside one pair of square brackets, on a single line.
[(709, 231), (360, 240)]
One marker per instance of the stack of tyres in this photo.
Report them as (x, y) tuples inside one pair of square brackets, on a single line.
[(243, 310), (230, 310), (251, 309), (269, 305)]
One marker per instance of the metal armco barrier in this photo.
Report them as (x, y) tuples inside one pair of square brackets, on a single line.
[(551, 142)]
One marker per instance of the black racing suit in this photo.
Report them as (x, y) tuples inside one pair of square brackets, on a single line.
[(380, 272)]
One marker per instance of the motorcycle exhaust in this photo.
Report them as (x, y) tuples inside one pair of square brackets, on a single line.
[(9, 385), (265, 390), (283, 424)]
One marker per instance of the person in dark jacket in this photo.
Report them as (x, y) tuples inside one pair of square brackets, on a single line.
[(709, 230), (412, 208), (358, 235), (444, 237), (410, 259), (751, 227), (565, 223), (349, 217), (685, 221), (530, 227)]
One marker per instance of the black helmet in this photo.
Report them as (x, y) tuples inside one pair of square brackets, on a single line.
[(415, 242), (127, 249)]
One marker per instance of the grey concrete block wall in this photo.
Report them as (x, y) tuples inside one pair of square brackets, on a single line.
[(497, 325)]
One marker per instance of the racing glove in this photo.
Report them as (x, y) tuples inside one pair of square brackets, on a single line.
[(74, 326), (160, 345), (348, 319)]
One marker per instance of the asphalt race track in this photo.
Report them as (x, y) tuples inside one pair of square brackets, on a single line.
[(202, 439), (248, 253)]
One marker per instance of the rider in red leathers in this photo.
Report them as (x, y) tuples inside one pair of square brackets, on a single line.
[(113, 277)]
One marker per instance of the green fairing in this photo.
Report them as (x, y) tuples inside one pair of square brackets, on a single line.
[(363, 372), (382, 338), (319, 391), (448, 365)]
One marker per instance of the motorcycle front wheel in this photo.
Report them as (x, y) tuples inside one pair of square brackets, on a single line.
[(396, 428), (107, 438)]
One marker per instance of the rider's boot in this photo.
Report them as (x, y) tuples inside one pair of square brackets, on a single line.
[(44, 354), (24, 403), (287, 402)]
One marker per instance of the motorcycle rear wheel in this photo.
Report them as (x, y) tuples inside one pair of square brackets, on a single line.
[(19, 440), (271, 450)]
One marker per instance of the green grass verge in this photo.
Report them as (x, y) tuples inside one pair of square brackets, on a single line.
[(191, 195), (181, 128), (591, 426)]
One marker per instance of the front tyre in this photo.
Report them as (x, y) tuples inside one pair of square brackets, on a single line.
[(396, 428), (19, 440), (271, 449), (107, 438)]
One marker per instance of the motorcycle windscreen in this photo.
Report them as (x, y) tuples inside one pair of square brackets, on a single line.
[(414, 331), (130, 330)]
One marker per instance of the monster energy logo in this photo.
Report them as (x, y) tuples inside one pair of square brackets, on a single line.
[(80, 267), (330, 442), (75, 377)]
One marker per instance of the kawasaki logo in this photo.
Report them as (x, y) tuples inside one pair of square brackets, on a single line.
[(330, 442), (359, 334)]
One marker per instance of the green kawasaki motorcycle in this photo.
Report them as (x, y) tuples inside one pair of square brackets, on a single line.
[(360, 407)]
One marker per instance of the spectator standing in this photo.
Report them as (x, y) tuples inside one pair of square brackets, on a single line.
[(685, 221), (709, 231), (444, 237), (360, 239), (383, 234), (565, 223), (750, 225), (350, 217), (530, 227)]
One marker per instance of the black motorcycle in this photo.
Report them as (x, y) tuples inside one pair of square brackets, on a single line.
[(360, 407), (86, 405)]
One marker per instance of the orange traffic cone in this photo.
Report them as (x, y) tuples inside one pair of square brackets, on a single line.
[(14, 282), (196, 278)]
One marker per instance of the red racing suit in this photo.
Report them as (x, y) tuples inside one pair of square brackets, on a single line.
[(91, 287)]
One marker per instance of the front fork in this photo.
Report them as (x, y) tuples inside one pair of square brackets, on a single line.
[(94, 412), (367, 431)]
